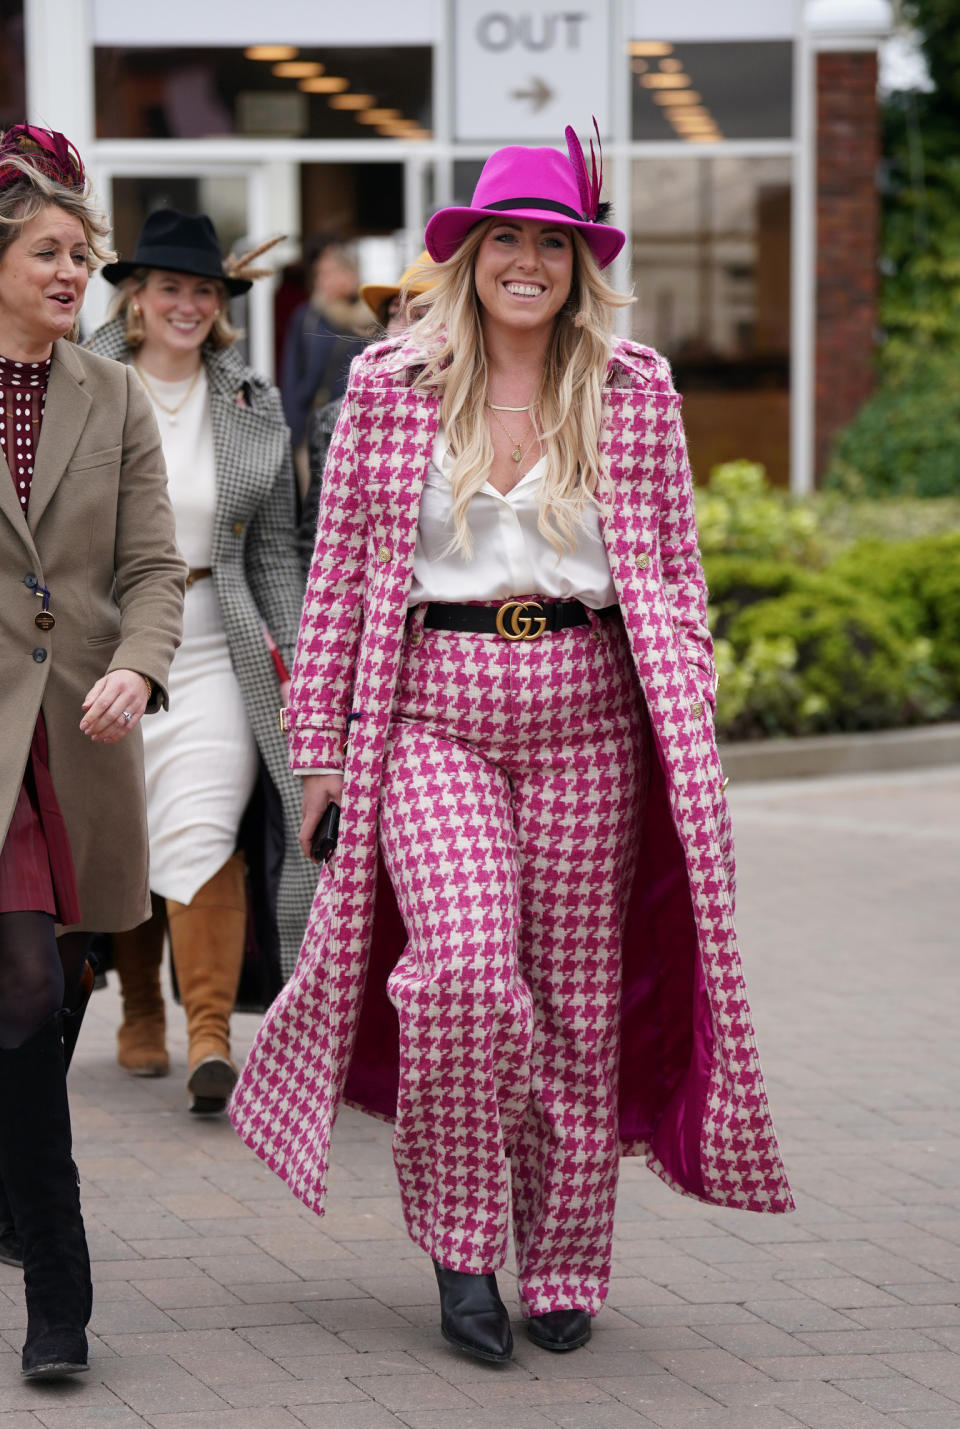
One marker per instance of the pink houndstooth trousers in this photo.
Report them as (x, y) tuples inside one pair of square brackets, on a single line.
[(513, 783)]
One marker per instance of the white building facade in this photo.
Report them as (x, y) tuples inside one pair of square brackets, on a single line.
[(363, 118)]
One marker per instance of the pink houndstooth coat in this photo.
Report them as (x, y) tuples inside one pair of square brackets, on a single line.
[(692, 1099)]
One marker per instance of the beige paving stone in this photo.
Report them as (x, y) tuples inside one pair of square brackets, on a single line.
[(937, 1369), (718, 1418), (401, 1392), (175, 1293), (830, 1367), (235, 1317), (477, 1419), (705, 1369), (81, 1415), (157, 1385), (496, 1390), (274, 1418), (349, 1416), (897, 1395), (331, 1389)]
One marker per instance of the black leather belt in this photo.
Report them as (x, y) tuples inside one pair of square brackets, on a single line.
[(514, 619)]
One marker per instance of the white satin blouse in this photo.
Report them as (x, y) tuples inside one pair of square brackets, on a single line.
[(511, 556)]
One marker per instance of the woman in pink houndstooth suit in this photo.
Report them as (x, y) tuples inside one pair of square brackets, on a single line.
[(524, 954)]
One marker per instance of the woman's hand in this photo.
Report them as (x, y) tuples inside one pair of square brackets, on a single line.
[(114, 706), (319, 790)]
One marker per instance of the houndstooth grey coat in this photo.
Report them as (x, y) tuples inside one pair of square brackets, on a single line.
[(258, 581)]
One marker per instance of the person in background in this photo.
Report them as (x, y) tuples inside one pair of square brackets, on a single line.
[(524, 951), (393, 316), (92, 594), (325, 334), (227, 451)]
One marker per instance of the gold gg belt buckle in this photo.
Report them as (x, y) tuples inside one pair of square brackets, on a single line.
[(513, 622)]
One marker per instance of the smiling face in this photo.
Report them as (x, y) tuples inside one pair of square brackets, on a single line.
[(178, 311), (523, 274), (43, 277)]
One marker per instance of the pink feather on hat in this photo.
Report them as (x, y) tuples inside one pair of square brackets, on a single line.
[(45, 150), (589, 185)]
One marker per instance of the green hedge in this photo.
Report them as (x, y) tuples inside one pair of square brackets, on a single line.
[(818, 634), (919, 582), (905, 440)]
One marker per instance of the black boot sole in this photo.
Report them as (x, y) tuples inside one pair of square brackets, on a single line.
[(487, 1356), (57, 1369), (546, 1343)]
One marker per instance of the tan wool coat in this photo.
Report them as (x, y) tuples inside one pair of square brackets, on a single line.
[(99, 534)]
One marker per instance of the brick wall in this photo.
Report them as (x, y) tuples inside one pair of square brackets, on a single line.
[(847, 233)]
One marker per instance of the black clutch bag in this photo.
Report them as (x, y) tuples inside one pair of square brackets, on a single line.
[(324, 839)]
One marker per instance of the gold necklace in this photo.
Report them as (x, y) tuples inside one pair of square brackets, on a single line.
[(170, 411), (518, 453)]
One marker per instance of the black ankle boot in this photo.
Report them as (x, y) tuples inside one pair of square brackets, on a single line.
[(41, 1183), (473, 1318), (11, 1251), (559, 1330)]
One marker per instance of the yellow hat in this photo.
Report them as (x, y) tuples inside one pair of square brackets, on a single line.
[(376, 294)]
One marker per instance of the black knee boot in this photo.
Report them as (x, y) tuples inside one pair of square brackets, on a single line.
[(41, 1182), (11, 1249), (73, 1016)]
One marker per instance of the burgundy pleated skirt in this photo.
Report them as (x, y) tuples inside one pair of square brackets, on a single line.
[(36, 866)]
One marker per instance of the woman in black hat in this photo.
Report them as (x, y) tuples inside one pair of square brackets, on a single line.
[(228, 459)]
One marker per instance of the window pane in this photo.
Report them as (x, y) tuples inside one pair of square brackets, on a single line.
[(711, 271), (198, 93), (695, 91), (13, 103)]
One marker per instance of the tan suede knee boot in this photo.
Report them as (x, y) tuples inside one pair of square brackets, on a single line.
[(141, 1037), (207, 940)]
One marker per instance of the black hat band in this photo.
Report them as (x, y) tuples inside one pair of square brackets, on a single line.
[(547, 203)]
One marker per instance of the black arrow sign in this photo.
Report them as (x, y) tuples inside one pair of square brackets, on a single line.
[(539, 94)]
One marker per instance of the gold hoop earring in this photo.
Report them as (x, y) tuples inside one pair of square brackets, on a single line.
[(136, 309)]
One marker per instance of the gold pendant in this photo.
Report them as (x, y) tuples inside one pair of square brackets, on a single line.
[(44, 620), (517, 454)]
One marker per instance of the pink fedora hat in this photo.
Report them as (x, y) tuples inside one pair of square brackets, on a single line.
[(539, 184)]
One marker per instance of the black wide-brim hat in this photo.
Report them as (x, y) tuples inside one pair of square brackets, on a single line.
[(179, 243)]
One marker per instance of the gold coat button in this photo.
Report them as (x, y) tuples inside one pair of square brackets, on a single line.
[(696, 709), (415, 637), (238, 528), (384, 554), (643, 560)]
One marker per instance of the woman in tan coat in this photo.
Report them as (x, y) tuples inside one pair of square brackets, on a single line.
[(92, 590)]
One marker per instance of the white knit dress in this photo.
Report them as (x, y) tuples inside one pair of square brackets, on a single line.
[(200, 757)]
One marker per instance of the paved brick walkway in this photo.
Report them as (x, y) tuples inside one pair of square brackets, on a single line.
[(221, 1305)]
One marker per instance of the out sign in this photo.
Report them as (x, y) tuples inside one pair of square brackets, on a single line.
[(522, 74)]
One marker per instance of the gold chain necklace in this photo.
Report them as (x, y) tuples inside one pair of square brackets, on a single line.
[(518, 452), (170, 411)]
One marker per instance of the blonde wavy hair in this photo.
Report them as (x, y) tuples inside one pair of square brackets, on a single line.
[(567, 405), (124, 307), (31, 193)]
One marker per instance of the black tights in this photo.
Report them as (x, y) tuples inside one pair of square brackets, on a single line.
[(39, 974)]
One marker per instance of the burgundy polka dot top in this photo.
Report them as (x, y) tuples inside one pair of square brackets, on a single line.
[(23, 394)]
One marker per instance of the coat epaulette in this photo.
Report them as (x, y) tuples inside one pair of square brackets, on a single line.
[(642, 363)]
